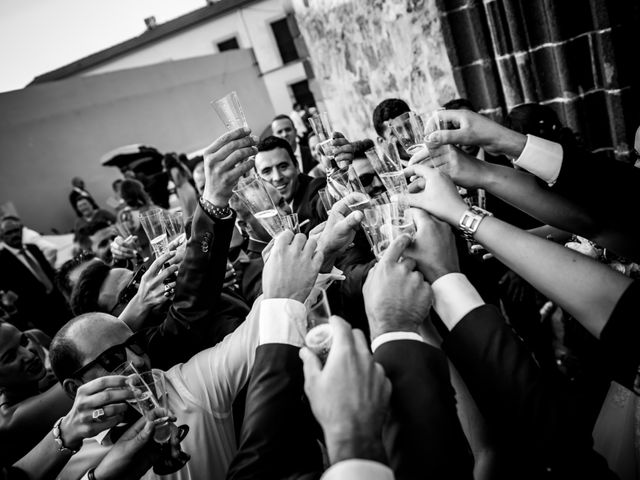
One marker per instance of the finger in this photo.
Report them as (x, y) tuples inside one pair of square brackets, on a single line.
[(283, 239), (342, 334), (115, 410), (99, 384), (395, 249), (243, 167), (310, 247), (166, 273), (419, 156), (109, 396), (140, 425), (353, 219), (225, 139), (158, 263), (311, 364), (360, 341), (236, 156), (417, 185), (408, 263), (299, 241)]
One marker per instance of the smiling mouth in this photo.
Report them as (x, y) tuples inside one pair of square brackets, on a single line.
[(281, 187)]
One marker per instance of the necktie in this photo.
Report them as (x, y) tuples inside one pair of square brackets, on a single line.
[(37, 270)]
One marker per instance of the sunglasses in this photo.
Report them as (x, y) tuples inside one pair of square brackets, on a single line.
[(129, 291), (114, 356), (367, 179)]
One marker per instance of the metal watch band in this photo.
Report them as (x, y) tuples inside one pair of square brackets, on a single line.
[(213, 211), (470, 221), (57, 436)]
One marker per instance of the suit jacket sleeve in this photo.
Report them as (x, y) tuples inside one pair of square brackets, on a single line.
[(531, 413), (198, 289), (619, 339), (277, 439), (423, 435)]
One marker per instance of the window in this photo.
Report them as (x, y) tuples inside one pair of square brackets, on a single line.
[(231, 44), (284, 39), (302, 94)]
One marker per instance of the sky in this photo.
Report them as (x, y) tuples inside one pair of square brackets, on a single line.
[(37, 36)]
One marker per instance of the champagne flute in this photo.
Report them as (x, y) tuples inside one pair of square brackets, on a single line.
[(230, 111)]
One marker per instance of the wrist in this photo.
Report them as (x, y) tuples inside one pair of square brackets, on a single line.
[(454, 212), (344, 446), (68, 436), (512, 143), (437, 271), (378, 328), (220, 201)]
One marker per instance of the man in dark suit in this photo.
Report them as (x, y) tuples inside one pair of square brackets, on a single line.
[(26, 272), (276, 164), (282, 127), (79, 191)]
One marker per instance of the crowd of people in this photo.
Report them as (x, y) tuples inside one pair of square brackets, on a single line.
[(496, 342)]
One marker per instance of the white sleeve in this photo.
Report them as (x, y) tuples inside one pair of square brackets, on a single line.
[(391, 336), (358, 469), (213, 377), (541, 157), (454, 297)]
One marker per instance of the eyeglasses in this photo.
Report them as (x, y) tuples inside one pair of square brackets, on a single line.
[(114, 356), (129, 291)]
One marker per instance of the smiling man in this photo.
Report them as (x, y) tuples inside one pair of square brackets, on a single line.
[(275, 163)]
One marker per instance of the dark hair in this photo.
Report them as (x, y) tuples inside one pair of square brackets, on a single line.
[(133, 194), (86, 293), (361, 146), (88, 199), (11, 217), (193, 163), (282, 117), (459, 104), (271, 143), (534, 119), (63, 352), (386, 110), (62, 277)]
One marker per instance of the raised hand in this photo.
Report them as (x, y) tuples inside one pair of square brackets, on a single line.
[(292, 267), (225, 161), (433, 249), (349, 396), (99, 404), (124, 248), (470, 128), (338, 231), (396, 298), (465, 170), (434, 192), (343, 150), (153, 291)]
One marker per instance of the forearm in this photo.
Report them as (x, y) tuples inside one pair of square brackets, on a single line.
[(135, 313), (551, 233), (44, 461), (584, 288)]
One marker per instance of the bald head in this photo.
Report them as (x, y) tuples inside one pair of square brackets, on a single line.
[(82, 339)]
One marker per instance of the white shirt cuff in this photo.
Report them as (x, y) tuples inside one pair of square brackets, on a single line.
[(391, 336), (454, 297), (358, 469), (541, 157), (280, 320)]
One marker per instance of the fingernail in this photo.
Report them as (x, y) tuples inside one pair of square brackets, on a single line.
[(434, 137), (246, 130), (255, 138)]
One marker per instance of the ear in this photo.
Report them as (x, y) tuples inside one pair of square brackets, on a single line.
[(70, 386)]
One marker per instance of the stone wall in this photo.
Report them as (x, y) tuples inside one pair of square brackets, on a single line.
[(364, 51)]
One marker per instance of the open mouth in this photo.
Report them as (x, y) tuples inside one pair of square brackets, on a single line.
[(282, 188)]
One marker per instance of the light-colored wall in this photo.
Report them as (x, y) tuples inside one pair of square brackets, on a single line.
[(363, 52), (52, 132), (250, 25)]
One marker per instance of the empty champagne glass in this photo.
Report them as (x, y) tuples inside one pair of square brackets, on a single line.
[(153, 223), (318, 334), (345, 184), (174, 225), (291, 222), (230, 111), (388, 168), (322, 128), (252, 192), (326, 199)]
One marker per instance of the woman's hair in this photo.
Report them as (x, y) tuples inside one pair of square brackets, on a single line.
[(133, 194)]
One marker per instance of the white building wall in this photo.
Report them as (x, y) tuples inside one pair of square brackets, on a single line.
[(250, 25)]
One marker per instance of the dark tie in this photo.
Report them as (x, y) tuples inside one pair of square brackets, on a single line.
[(37, 270)]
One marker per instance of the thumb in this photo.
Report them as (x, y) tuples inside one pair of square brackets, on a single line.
[(446, 137), (311, 365), (353, 219)]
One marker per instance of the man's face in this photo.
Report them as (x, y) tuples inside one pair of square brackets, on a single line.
[(198, 176), (84, 207), (313, 143), (20, 364), (101, 243), (95, 337), (277, 168), (11, 233), (284, 128), (368, 177), (251, 225), (389, 136), (116, 281)]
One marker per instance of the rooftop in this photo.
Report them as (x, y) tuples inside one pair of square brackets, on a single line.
[(163, 30)]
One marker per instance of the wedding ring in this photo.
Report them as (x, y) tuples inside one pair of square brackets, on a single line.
[(168, 290), (97, 414)]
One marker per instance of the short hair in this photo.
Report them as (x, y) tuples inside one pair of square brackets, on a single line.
[(271, 143), (63, 352), (86, 294), (282, 117), (386, 110), (133, 194), (534, 119), (62, 276), (458, 104), (361, 146)]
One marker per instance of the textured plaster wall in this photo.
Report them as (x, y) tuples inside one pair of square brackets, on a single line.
[(364, 51)]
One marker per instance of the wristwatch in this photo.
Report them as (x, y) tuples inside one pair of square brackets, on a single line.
[(57, 436), (470, 221), (213, 211)]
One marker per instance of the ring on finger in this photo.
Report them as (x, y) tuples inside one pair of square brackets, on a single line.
[(97, 414)]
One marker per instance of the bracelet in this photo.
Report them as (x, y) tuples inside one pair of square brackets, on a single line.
[(91, 474), (470, 221), (213, 211), (57, 436)]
